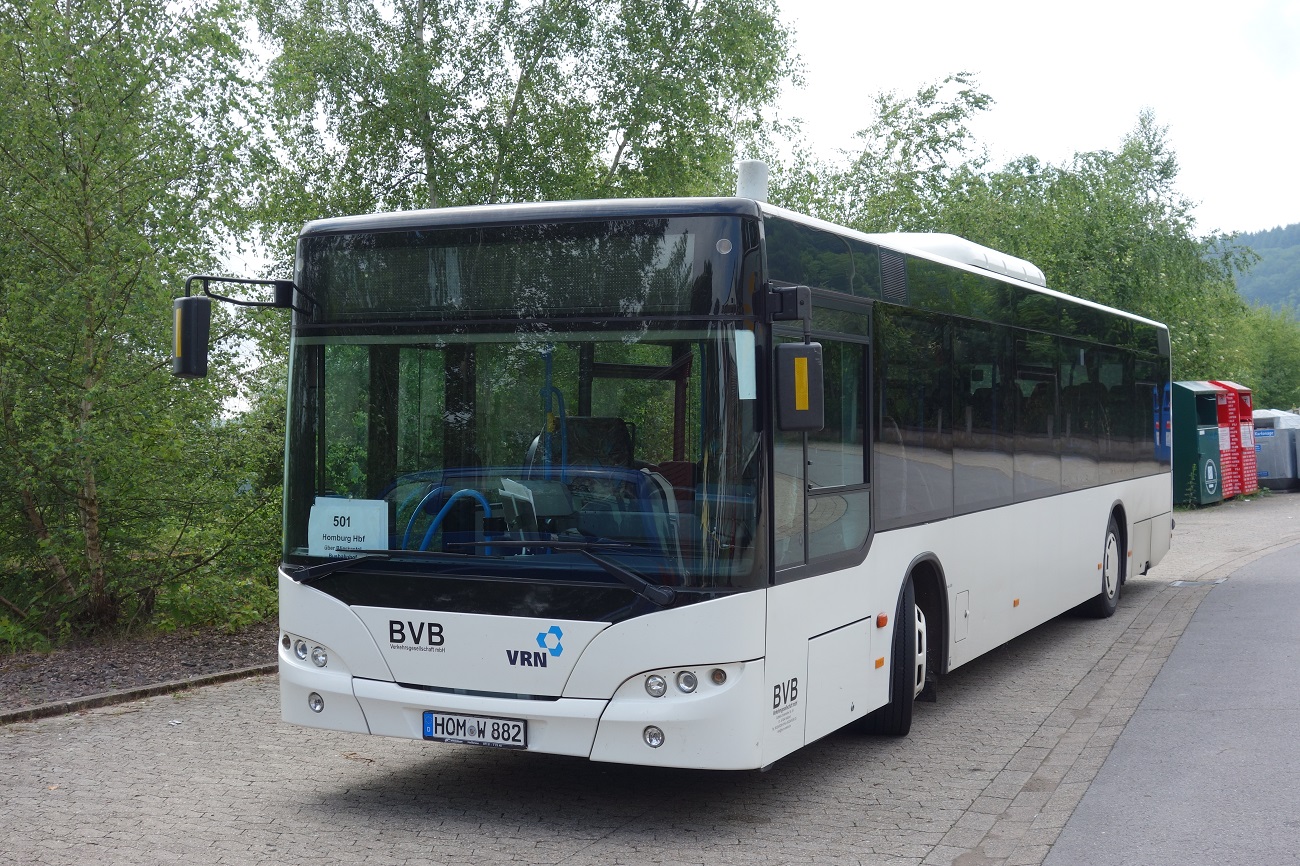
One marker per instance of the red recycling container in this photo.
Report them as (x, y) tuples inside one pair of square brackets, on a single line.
[(1242, 436), (1229, 442)]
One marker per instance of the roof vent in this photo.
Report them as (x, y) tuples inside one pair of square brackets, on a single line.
[(967, 252)]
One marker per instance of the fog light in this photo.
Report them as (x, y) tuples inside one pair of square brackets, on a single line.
[(300, 649), (318, 657), (687, 682), (315, 702), (655, 687), (719, 676), (654, 737), (287, 643)]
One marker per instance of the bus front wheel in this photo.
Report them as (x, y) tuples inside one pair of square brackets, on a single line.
[(1104, 603), (908, 668)]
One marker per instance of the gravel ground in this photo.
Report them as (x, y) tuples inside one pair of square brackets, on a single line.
[(33, 679)]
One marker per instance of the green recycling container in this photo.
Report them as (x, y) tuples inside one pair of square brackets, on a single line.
[(1196, 444)]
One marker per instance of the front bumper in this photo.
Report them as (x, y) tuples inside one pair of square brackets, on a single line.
[(717, 727)]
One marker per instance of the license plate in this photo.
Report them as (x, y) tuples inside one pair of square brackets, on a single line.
[(476, 730)]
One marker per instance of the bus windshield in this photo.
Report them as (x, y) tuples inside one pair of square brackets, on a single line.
[(539, 450)]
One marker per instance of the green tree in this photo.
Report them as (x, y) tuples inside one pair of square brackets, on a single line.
[(397, 104), (1112, 227), (1274, 340), (910, 162), (119, 164)]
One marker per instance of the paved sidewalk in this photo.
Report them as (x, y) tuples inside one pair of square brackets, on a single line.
[(1208, 769)]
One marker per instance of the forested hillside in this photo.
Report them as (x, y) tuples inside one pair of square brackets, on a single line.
[(1274, 281)]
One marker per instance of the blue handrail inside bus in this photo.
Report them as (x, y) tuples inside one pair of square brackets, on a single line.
[(436, 491), (437, 520)]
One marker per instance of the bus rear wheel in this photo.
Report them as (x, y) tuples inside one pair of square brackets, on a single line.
[(907, 673), (1105, 602)]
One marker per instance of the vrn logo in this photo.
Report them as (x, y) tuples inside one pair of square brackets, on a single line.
[(548, 640)]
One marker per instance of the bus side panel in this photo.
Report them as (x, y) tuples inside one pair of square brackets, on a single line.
[(1014, 568), (1139, 546), (820, 650), (839, 678), (1161, 536), (1152, 504)]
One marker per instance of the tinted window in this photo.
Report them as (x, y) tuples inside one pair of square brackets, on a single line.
[(801, 255), (984, 411), (914, 471), (603, 268)]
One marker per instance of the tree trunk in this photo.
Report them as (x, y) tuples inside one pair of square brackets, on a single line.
[(103, 607), (42, 532)]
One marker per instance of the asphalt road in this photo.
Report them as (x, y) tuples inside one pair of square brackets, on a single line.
[(992, 773), (1208, 769)]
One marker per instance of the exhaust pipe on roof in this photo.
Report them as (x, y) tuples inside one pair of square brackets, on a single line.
[(751, 179)]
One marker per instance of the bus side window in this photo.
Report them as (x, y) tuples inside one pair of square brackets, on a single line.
[(914, 453)]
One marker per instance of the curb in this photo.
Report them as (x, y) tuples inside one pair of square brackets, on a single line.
[(1235, 562), (76, 705)]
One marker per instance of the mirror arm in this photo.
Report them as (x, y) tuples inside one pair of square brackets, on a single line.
[(284, 292)]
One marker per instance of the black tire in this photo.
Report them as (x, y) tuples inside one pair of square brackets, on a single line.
[(1105, 602), (895, 718)]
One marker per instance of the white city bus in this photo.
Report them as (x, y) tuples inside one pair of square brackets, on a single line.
[(689, 482)]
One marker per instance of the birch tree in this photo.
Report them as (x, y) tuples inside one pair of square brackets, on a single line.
[(118, 158)]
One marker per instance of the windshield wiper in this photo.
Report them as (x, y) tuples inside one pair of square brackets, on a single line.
[(310, 573), (651, 592)]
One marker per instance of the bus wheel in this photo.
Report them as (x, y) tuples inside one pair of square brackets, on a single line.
[(1112, 574), (908, 668)]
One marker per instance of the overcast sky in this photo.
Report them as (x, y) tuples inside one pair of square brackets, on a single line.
[(1224, 78)]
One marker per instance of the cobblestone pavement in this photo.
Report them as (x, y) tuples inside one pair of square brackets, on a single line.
[(989, 774)]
